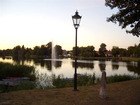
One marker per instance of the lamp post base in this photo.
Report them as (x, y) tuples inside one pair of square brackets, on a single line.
[(75, 90)]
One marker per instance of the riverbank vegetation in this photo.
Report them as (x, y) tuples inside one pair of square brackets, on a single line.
[(82, 80), (59, 81), (16, 77), (11, 70), (88, 80)]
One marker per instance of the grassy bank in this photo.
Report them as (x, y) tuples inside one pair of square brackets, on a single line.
[(10, 70), (130, 59), (88, 80), (61, 82), (16, 77), (121, 93)]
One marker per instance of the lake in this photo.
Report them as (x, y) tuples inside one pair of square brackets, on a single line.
[(47, 67)]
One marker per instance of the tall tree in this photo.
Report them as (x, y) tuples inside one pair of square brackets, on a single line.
[(88, 51), (36, 50), (131, 51), (58, 50), (16, 52), (102, 50), (49, 48), (115, 51), (128, 15)]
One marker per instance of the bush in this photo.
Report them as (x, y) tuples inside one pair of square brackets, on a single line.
[(60, 81), (24, 85), (82, 80), (120, 78), (10, 70)]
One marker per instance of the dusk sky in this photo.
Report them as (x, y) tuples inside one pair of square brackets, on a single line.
[(36, 22)]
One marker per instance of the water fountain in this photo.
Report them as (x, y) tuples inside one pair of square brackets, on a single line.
[(53, 55), (45, 80)]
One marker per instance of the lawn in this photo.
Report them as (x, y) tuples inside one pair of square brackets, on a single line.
[(121, 93)]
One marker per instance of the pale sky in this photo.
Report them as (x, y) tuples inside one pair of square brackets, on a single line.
[(36, 22)]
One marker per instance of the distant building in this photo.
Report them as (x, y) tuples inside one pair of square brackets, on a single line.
[(109, 53)]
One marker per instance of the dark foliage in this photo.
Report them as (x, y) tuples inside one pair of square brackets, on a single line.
[(20, 52), (128, 14), (10, 70), (88, 51), (82, 80), (102, 50), (131, 51)]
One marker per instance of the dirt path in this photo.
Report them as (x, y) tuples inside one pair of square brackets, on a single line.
[(123, 93)]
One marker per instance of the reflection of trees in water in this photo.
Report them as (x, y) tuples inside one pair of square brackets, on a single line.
[(133, 68), (21, 61), (115, 66), (83, 65), (48, 63), (38, 62), (102, 65), (18, 61), (57, 64), (43, 63)]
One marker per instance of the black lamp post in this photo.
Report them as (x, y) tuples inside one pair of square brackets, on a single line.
[(76, 22)]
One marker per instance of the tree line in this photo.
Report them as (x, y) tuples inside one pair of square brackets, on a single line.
[(131, 51), (45, 51), (89, 51)]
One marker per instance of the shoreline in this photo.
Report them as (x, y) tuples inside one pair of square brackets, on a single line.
[(123, 59)]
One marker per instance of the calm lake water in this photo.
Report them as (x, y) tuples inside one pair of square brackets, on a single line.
[(65, 67)]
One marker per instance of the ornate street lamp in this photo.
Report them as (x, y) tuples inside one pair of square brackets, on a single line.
[(76, 22)]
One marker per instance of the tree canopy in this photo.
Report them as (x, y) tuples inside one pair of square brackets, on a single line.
[(102, 50), (128, 15)]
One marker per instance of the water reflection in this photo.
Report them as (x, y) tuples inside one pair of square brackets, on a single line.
[(65, 66), (102, 65), (86, 65), (58, 64), (49, 64), (133, 67), (21, 61), (115, 65)]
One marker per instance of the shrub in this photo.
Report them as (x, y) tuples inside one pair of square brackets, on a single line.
[(10, 70), (120, 78), (82, 80)]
